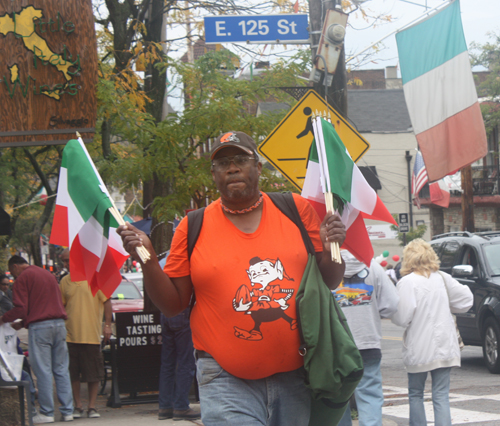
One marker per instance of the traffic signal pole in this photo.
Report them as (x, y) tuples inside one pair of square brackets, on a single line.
[(336, 94)]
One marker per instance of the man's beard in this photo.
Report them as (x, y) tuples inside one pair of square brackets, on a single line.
[(239, 195)]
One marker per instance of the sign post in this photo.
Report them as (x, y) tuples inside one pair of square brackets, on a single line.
[(403, 223)]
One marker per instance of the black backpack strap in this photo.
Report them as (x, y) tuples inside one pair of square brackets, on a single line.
[(285, 202), (195, 222)]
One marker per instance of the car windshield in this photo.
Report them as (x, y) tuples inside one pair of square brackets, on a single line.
[(137, 281), (492, 255), (126, 290), (136, 278)]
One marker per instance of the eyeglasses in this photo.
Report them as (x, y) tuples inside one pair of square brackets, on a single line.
[(222, 164)]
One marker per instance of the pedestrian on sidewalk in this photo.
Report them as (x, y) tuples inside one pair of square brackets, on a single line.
[(428, 298), (85, 313), (380, 300), (177, 367), (245, 271), (5, 295), (37, 302)]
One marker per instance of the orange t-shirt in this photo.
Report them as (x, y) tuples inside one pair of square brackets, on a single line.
[(245, 285)]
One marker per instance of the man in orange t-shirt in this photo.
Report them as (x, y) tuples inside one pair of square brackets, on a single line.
[(246, 268)]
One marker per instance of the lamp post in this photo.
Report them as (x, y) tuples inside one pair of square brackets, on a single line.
[(408, 168)]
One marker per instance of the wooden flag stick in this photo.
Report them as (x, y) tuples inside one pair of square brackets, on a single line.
[(141, 251), (334, 246)]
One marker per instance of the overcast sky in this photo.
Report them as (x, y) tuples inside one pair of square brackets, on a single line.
[(478, 18)]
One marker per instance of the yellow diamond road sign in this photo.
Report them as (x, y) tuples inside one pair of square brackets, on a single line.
[(287, 147)]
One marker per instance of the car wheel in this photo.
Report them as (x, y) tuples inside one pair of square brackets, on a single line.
[(491, 342)]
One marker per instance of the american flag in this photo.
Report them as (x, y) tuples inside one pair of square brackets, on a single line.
[(419, 178)]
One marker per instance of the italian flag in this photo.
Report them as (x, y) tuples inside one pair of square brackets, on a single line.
[(440, 92), (354, 198), (83, 222)]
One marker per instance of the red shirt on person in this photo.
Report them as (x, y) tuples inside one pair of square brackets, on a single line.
[(36, 297)]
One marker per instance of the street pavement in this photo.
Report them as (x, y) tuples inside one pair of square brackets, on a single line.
[(474, 391)]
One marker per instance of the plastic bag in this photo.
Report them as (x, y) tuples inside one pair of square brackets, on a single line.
[(9, 355), (14, 364)]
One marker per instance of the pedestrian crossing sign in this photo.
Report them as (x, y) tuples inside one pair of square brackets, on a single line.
[(287, 146)]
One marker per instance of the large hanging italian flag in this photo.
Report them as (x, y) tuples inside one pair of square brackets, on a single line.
[(440, 92), (354, 198), (83, 222)]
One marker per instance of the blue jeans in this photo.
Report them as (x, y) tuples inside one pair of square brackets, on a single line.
[(278, 400), (48, 355), (440, 397), (369, 396), (177, 362)]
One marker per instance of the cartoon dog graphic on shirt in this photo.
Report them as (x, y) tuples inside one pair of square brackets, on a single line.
[(267, 303)]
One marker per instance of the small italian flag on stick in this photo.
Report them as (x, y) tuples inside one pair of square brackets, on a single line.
[(85, 220), (325, 177), (334, 182)]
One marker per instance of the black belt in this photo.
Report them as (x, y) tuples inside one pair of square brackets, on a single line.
[(202, 354)]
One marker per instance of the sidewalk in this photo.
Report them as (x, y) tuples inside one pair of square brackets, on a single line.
[(127, 415), (131, 415)]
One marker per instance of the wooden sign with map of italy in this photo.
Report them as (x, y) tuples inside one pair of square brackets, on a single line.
[(48, 71)]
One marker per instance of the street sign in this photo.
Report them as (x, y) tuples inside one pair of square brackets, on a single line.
[(403, 218), (284, 28), (404, 228), (287, 146)]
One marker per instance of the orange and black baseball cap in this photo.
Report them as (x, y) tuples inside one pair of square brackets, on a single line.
[(237, 139)]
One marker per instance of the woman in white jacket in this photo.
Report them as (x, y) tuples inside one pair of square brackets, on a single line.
[(427, 299)]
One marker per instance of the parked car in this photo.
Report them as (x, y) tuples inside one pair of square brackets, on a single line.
[(136, 278), (473, 259), (127, 298)]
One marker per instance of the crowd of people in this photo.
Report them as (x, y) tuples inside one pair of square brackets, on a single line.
[(245, 266)]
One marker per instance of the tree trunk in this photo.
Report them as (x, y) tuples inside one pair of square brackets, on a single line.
[(155, 84), (467, 200), (161, 232), (106, 139)]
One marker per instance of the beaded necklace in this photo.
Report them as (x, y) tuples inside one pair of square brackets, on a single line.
[(243, 211)]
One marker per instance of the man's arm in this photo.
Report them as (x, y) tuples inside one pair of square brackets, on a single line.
[(108, 314), (331, 230), (171, 296)]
